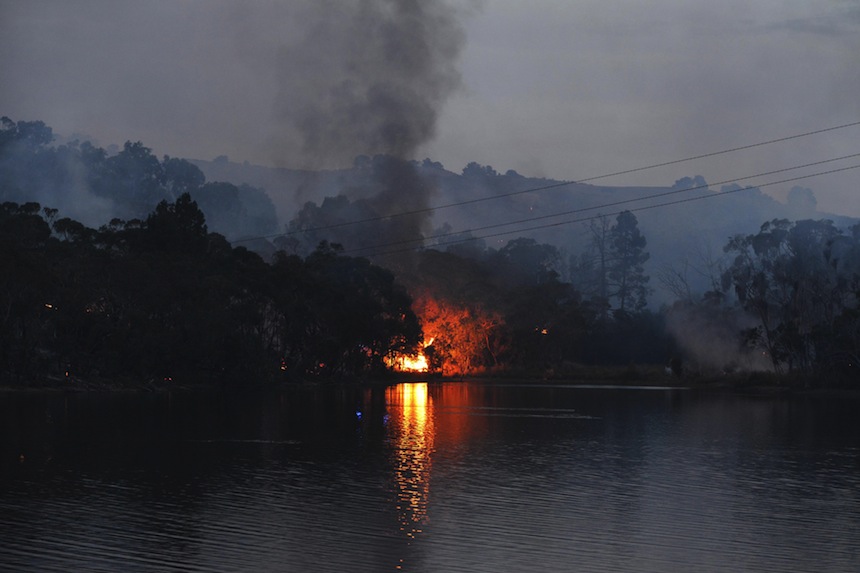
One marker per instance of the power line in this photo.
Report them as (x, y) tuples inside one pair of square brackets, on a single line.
[(584, 219), (612, 204), (552, 185), (715, 153)]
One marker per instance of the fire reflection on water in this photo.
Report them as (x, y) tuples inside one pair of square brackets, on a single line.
[(412, 432)]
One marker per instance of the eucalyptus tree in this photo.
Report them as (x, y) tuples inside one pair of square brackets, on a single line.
[(801, 281), (340, 315), (626, 278)]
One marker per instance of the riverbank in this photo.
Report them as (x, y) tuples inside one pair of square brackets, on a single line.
[(630, 375), (89, 384)]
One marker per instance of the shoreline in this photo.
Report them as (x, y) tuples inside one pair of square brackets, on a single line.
[(632, 376)]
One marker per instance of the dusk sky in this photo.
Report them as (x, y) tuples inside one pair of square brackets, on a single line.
[(564, 89)]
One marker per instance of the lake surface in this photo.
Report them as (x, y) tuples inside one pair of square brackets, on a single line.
[(460, 476)]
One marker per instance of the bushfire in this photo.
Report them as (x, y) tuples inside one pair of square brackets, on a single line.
[(462, 339), (414, 363)]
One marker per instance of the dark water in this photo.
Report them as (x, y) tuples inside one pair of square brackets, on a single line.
[(438, 477)]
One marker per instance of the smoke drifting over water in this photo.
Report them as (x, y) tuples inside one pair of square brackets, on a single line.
[(365, 77)]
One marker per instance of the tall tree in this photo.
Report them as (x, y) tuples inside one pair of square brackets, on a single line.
[(589, 272), (136, 175), (626, 280)]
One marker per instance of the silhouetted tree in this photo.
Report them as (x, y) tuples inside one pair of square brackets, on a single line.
[(524, 261), (800, 281), (590, 271), (546, 323), (342, 315), (627, 282), (181, 176), (26, 290)]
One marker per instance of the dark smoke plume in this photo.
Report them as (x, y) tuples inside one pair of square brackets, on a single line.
[(369, 78), (366, 77)]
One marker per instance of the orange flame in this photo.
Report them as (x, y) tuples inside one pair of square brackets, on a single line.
[(462, 331), (411, 363)]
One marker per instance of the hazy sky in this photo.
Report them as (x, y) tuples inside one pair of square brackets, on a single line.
[(566, 89)]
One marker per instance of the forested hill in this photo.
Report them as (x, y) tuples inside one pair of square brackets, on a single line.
[(685, 237), (686, 226)]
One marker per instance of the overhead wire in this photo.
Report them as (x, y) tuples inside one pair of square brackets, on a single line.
[(552, 185), (585, 219), (618, 203)]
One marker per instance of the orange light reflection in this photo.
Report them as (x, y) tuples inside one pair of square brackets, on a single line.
[(413, 433)]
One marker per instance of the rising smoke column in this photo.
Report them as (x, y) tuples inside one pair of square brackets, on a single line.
[(369, 77)]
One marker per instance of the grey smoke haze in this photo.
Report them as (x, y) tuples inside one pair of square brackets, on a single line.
[(589, 87), (710, 341), (566, 89)]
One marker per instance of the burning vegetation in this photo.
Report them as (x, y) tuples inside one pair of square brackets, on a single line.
[(459, 336), (417, 362)]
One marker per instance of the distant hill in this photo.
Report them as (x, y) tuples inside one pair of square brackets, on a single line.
[(684, 238)]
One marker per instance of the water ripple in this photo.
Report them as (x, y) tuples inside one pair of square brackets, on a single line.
[(476, 479)]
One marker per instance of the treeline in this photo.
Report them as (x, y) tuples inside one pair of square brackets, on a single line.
[(162, 298)]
